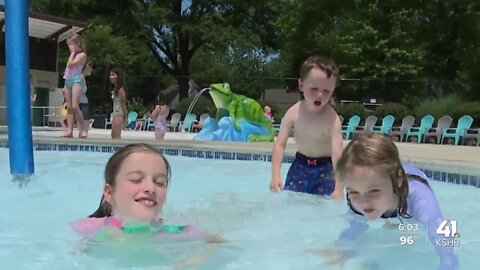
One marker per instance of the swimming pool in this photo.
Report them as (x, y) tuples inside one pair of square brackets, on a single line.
[(226, 197)]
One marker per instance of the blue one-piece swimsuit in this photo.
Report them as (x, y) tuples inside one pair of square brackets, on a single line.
[(311, 175), (422, 207)]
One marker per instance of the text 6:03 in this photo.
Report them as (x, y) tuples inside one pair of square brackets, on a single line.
[(408, 227)]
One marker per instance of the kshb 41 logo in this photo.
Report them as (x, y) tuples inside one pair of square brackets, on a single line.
[(448, 229)]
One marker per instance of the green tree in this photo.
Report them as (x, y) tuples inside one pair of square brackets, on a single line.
[(175, 30)]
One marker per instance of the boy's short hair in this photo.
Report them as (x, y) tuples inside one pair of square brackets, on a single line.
[(323, 63)]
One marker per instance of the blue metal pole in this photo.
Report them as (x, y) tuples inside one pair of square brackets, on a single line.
[(18, 88)]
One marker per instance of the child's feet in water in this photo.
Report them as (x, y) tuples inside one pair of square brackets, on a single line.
[(67, 135)]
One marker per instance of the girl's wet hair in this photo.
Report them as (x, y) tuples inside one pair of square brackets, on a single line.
[(120, 80), (160, 99), (113, 166), (325, 64), (379, 153)]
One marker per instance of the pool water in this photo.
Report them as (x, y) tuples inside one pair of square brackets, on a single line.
[(228, 198)]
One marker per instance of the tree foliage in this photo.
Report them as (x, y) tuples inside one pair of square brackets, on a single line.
[(247, 42)]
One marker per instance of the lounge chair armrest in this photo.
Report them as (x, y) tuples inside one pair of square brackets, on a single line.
[(397, 129), (449, 130), (473, 131)]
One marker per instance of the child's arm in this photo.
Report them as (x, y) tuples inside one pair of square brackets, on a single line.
[(337, 148), (155, 112), (196, 260), (357, 225), (424, 208), (340, 253), (278, 150), (165, 111), (213, 241), (123, 102), (74, 60)]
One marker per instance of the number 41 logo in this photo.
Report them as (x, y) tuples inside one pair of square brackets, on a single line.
[(448, 230)]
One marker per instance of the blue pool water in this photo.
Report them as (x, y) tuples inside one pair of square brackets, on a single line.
[(229, 198)]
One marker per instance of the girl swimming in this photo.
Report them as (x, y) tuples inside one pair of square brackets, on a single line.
[(379, 186), (135, 190)]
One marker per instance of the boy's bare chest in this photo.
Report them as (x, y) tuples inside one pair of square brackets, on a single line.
[(312, 128)]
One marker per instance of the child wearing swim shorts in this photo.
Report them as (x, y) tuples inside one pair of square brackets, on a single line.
[(317, 131)]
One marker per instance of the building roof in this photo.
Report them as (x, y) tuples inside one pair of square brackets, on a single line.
[(48, 27)]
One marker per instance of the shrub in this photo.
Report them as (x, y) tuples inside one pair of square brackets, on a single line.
[(351, 109), (438, 107), (399, 111), (137, 104), (203, 105), (411, 101), (468, 108)]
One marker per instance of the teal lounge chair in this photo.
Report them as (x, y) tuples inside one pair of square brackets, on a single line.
[(425, 124), (386, 127), (464, 124), (351, 127), (150, 125), (132, 119), (188, 121)]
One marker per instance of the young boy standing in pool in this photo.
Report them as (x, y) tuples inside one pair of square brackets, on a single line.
[(317, 132)]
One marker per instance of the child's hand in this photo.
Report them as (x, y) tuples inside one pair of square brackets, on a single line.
[(275, 185), (390, 225), (337, 195), (71, 48), (216, 239), (334, 256)]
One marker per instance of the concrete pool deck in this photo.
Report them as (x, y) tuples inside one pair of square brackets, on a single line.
[(465, 156)]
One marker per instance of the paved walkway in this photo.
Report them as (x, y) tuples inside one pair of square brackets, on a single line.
[(465, 156)]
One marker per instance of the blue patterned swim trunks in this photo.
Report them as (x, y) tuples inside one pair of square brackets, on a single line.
[(311, 175)]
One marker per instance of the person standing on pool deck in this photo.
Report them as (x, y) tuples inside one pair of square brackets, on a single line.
[(317, 132), (84, 107), (379, 186), (74, 82), (119, 98)]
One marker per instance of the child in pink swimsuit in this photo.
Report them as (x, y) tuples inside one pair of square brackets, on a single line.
[(133, 198), (159, 117)]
